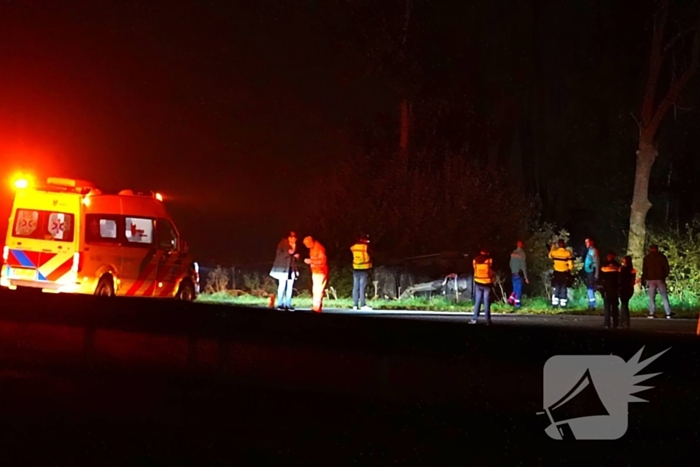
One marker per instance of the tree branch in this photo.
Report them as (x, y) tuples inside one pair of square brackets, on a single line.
[(677, 85), (655, 61), (636, 121), (678, 37)]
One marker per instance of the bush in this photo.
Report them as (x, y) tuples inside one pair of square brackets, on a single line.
[(682, 248), (217, 280), (259, 287)]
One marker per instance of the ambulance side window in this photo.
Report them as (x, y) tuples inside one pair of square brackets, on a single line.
[(138, 231), (167, 238), (101, 228)]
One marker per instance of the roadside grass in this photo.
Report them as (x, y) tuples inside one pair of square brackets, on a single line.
[(686, 308)]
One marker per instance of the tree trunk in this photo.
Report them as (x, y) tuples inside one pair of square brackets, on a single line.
[(405, 130), (646, 155)]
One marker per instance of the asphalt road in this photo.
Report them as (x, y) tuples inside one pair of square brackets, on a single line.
[(93, 381), (659, 324)]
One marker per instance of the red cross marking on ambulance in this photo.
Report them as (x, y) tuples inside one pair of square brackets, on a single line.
[(136, 232)]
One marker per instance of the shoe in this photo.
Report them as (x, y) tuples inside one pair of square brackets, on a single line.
[(354, 308), (291, 308), (668, 316), (472, 321), (281, 308), (650, 316), (366, 308)]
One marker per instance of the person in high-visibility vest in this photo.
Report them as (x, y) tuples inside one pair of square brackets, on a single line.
[(610, 278), (319, 271), (361, 264), (483, 280), (563, 265)]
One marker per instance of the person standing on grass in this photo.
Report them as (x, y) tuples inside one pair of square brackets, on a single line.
[(483, 280), (655, 270), (361, 264), (563, 265), (591, 267), (319, 271), (285, 271), (628, 277), (610, 278), (518, 269)]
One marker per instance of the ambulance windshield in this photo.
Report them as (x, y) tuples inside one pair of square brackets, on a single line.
[(43, 225)]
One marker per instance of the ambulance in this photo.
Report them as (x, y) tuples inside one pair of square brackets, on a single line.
[(66, 236)]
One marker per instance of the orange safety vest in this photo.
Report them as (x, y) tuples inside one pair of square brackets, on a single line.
[(360, 256), (483, 274)]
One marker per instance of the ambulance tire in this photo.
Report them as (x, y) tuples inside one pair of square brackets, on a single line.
[(185, 292), (105, 288)]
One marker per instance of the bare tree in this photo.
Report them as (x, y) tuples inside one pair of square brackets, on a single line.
[(651, 118)]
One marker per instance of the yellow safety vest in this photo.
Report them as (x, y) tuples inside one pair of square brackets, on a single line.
[(482, 272), (562, 259), (360, 257)]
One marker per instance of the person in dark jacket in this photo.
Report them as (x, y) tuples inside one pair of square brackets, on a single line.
[(610, 280), (628, 277), (285, 270), (655, 270)]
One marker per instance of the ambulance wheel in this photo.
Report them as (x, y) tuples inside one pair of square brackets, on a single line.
[(185, 292), (105, 288)]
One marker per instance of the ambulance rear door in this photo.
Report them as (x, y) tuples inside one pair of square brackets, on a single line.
[(42, 238)]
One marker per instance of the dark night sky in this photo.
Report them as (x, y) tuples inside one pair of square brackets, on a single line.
[(228, 108), (225, 110)]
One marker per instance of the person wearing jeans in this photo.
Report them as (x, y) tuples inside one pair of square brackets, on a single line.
[(518, 269), (361, 264), (359, 284), (591, 267), (285, 271), (483, 280), (655, 270)]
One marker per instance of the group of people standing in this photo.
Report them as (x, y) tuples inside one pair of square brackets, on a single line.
[(285, 270), (615, 279)]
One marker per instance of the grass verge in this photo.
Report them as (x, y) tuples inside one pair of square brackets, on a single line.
[(537, 305)]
